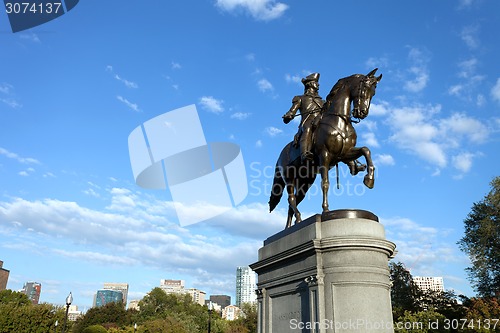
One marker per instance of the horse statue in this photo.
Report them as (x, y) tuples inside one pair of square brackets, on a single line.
[(334, 141)]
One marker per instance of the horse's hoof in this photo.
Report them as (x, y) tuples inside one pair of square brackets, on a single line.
[(369, 182)]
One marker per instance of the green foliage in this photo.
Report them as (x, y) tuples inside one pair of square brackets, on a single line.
[(421, 322), (18, 316), (482, 311), (248, 317), (110, 315), (481, 242), (95, 329), (405, 294), (13, 297)]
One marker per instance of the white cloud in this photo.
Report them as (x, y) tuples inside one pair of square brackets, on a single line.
[(131, 105), (418, 70), (262, 10), (383, 159), (127, 83), (463, 162), (372, 62), (293, 78), (379, 109), (369, 139), (459, 125), (495, 91), (420, 80), (469, 82), (414, 132), (141, 233), (11, 102), (469, 35), (240, 115), (258, 143), (31, 37), (24, 160), (5, 88), (273, 131), (420, 131), (264, 85), (175, 65), (211, 104), (8, 90)]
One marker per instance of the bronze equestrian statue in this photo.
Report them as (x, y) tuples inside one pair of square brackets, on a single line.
[(333, 141)]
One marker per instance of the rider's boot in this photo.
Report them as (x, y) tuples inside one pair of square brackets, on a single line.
[(355, 167), (305, 147)]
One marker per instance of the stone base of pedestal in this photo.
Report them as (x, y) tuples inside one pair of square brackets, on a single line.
[(327, 274)]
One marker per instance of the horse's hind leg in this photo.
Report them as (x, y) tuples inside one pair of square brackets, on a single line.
[(324, 162), (292, 202)]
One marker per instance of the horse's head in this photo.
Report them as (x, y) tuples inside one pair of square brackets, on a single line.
[(362, 96)]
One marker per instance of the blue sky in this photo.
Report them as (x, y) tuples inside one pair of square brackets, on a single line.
[(73, 89)]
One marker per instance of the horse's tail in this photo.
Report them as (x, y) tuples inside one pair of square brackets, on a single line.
[(277, 189)]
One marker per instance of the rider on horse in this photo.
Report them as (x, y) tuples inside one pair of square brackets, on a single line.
[(310, 105)]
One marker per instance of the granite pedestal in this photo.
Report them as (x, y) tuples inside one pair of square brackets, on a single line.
[(328, 273)]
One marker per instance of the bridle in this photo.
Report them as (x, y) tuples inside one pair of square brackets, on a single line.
[(362, 88)]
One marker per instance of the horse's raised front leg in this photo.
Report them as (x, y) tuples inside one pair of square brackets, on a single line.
[(354, 153), (292, 204), (369, 179)]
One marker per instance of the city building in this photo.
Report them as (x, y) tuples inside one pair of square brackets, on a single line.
[(231, 312), (172, 286), (123, 287), (429, 283), (105, 296), (4, 277), (33, 291), (245, 285), (222, 300), (73, 313), (178, 287), (213, 306), (197, 295), (134, 305)]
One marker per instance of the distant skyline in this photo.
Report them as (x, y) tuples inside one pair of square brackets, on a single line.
[(73, 89)]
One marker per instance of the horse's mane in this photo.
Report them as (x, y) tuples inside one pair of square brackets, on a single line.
[(337, 87)]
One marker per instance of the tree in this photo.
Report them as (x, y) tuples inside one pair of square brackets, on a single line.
[(248, 317), (95, 329), (110, 315), (483, 313), (28, 317), (405, 294), (481, 242), (13, 297)]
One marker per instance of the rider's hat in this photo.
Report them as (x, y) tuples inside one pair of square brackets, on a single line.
[(311, 77)]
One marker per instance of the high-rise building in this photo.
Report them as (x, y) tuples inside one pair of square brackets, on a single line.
[(4, 277), (245, 286), (123, 287), (105, 296), (172, 285), (222, 300), (429, 283), (177, 287), (33, 291), (197, 295)]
